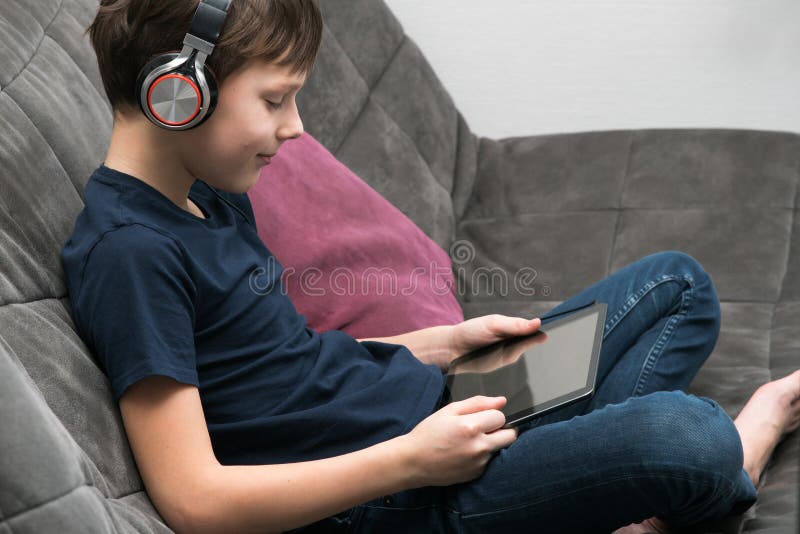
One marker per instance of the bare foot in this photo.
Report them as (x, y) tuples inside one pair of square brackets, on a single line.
[(771, 413)]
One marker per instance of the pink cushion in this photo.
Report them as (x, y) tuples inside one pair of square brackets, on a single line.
[(353, 261)]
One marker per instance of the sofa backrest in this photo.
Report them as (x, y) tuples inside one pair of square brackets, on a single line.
[(64, 457), (376, 104), (373, 101)]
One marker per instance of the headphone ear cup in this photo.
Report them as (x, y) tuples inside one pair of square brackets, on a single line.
[(150, 66), (187, 75)]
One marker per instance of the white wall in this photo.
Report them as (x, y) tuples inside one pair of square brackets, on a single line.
[(521, 67)]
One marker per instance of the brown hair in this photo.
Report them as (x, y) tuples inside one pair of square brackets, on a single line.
[(126, 34)]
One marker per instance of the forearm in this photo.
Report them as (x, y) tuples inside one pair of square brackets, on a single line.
[(430, 345), (274, 498)]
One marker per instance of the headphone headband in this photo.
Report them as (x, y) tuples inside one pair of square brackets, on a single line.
[(208, 21)]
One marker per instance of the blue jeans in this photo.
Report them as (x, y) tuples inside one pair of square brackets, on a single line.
[(640, 447)]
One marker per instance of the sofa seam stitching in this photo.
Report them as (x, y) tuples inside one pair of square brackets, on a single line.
[(617, 223), (21, 302), (788, 250), (475, 142), (369, 88), (793, 220), (710, 208), (44, 139), (377, 102), (465, 217), (45, 503), (36, 50)]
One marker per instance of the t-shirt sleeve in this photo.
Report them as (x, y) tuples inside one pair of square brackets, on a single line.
[(136, 308)]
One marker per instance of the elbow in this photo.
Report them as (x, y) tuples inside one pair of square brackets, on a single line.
[(179, 522), (184, 514), (211, 518), (200, 521), (209, 504), (193, 508), (197, 513), (192, 519)]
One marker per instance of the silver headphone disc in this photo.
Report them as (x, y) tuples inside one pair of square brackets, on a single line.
[(174, 99)]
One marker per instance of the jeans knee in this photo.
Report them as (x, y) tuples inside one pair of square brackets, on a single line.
[(713, 437), (704, 293), (694, 435), (681, 263), (693, 455)]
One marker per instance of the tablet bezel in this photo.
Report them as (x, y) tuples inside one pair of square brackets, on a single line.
[(538, 410)]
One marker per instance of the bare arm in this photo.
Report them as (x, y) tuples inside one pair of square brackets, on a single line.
[(167, 431), (440, 345), (432, 345)]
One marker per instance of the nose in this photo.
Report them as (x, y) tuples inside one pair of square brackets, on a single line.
[(292, 125)]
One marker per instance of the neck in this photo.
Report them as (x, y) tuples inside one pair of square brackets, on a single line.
[(148, 153)]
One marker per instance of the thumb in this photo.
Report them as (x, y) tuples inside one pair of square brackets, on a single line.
[(529, 326), (478, 403), (516, 326)]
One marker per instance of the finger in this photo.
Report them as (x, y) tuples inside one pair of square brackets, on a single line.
[(500, 439), (503, 326), (476, 404), (487, 420)]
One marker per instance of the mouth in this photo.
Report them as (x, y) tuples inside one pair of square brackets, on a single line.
[(266, 158)]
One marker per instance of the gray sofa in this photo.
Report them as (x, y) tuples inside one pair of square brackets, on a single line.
[(574, 207)]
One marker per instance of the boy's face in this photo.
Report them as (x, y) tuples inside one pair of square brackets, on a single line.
[(256, 113)]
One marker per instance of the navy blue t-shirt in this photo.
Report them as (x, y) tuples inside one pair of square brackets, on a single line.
[(156, 290)]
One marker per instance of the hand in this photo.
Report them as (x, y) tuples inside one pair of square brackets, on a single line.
[(491, 359), (455, 443), (480, 331)]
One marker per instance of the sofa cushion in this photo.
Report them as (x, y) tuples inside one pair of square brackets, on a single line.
[(353, 261)]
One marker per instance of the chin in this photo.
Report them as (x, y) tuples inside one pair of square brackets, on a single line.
[(243, 186), (237, 185), (237, 188)]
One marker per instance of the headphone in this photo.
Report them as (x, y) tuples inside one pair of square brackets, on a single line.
[(177, 91)]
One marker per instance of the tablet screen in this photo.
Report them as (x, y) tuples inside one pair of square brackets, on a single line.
[(535, 373)]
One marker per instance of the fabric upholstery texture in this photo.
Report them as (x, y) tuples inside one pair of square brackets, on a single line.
[(572, 207), (353, 261)]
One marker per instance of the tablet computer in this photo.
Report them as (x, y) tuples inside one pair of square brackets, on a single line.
[(539, 373)]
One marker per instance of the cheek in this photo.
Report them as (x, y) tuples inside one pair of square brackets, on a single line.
[(219, 138), (242, 129)]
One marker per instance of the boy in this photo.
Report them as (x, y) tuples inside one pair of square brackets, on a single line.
[(241, 418)]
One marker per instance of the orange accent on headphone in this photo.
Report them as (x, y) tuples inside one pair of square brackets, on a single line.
[(198, 98)]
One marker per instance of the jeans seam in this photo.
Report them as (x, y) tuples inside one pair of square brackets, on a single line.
[(629, 304), (403, 508), (464, 516), (634, 299), (666, 335)]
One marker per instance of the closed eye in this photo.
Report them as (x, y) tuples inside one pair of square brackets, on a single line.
[(274, 105)]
